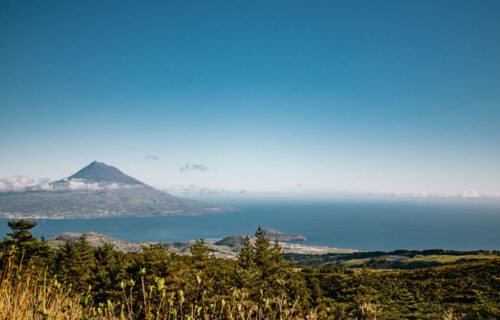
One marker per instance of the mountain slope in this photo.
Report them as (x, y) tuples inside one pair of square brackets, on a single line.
[(100, 172), (97, 190)]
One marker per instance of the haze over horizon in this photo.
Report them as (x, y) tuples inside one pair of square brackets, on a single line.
[(354, 97)]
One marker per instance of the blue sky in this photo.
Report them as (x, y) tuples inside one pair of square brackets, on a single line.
[(270, 96)]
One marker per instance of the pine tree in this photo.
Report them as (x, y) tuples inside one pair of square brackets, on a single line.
[(278, 264), (246, 255), (109, 272), (263, 257), (200, 250), (155, 259), (85, 256), (20, 231), (245, 265), (277, 253), (76, 263), (22, 245), (64, 261)]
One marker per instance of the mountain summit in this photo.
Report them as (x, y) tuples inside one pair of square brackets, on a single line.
[(96, 191), (101, 172)]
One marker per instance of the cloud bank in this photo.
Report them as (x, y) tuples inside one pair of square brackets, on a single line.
[(23, 183), (75, 185), (447, 195), (19, 183)]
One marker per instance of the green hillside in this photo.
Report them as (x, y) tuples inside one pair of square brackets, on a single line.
[(77, 281)]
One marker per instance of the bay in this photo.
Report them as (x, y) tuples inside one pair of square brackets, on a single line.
[(358, 224)]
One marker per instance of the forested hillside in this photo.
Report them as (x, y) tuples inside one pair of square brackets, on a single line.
[(80, 282)]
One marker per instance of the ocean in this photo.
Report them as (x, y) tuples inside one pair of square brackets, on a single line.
[(366, 225)]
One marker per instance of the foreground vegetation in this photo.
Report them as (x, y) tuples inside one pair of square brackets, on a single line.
[(80, 282)]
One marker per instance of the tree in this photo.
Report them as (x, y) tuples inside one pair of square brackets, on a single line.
[(260, 267), (200, 250), (245, 266), (85, 256), (246, 255), (263, 257), (22, 245), (109, 271), (20, 231), (277, 253), (76, 263), (155, 259)]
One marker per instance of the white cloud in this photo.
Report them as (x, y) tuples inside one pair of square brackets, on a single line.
[(19, 183), (446, 195), (421, 194), (198, 167), (200, 191), (470, 194), (78, 184), (22, 183)]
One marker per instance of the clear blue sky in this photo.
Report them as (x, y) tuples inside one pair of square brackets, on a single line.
[(320, 96)]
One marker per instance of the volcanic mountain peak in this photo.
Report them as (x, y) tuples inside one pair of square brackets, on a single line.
[(97, 191), (101, 172)]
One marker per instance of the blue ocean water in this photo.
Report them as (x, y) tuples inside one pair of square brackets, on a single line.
[(363, 225)]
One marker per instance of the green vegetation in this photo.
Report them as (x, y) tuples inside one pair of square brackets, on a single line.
[(399, 259), (445, 259), (77, 281)]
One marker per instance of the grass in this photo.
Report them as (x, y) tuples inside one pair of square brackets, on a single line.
[(441, 259), (25, 294), (451, 258), (353, 262)]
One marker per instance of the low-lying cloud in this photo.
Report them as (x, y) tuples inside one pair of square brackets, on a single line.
[(204, 191), (446, 195), (23, 183), (152, 157), (470, 194), (19, 183), (200, 191), (76, 185), (196, 167)]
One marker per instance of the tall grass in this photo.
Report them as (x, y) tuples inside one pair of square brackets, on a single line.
[(28, 294), (25, 294)]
